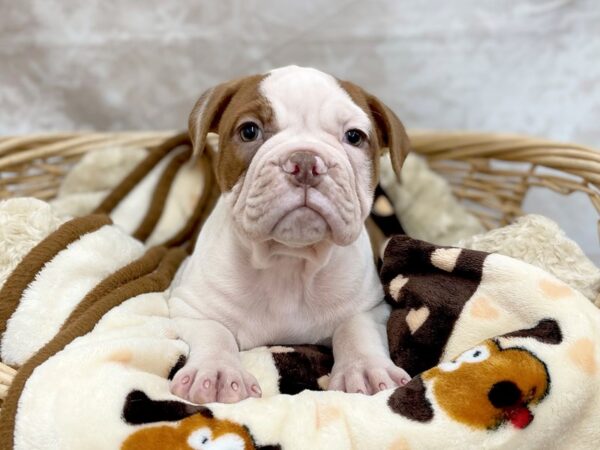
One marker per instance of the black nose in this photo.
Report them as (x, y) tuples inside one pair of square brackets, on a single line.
[(306, 168), (504, 394)]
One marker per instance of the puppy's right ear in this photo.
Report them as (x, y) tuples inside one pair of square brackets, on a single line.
[(207, 113)]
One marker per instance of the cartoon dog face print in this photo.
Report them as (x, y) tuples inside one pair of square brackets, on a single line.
[(176, 425), (485, 387), (196, 432)]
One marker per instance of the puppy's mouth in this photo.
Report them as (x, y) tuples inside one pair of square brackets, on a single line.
[(300, 226)]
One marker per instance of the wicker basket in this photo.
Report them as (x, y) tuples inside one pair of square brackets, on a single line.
[(491, 173)]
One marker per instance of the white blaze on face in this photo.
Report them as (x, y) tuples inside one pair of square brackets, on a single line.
[(311, 112)]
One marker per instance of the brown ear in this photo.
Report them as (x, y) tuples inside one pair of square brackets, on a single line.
[(391, 132), (207, 112)]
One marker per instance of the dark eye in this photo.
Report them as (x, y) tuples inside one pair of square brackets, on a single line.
[(249, 132), (355, 137)]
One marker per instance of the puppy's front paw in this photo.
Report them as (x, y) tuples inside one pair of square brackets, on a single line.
[(214, 381), (367, 376)]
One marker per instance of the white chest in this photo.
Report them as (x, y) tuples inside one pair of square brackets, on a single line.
[(281, 307), (285, 303)]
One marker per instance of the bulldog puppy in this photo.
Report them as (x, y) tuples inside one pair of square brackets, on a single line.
[(284, 258)]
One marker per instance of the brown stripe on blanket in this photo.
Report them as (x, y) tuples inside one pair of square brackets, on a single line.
[(210, 194), (160, 195), (143, 168), (204, 205), (34, 261), (166, 263), (126, 274), (427, 287)]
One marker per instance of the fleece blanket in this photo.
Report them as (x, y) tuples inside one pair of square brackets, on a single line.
[(502, 354)]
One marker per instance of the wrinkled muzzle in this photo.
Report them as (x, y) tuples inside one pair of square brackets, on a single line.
[(300, 194)]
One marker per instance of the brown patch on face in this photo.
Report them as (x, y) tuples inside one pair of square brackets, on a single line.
[(222, 110), (488, 386), (582, 354), (387, 131), (358, 96), (555, 290)]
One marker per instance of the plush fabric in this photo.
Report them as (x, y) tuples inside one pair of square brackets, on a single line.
[(539, 241), (425, 204), (23, 222), (504, 355), (92, 178)]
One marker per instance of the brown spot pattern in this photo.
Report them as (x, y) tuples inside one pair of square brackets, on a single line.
[(582, 353), (443, 293), (121, 356), (302, 368), (555, 290), (482, 308)]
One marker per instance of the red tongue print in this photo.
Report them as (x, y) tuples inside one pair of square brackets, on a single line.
[(519, 416)]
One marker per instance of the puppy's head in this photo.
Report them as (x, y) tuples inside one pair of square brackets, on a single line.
[(298, 153)]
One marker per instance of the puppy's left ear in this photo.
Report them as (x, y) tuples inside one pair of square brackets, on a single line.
[(391, 132), (207, 113)]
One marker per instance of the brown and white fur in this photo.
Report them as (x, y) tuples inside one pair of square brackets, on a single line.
[(285, 258)]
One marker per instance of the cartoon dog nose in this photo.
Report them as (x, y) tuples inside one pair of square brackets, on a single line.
[(504, 394), (305, 167)]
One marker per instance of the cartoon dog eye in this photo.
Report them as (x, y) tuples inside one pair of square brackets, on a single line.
[(202, 439), (472, 356), (475, 355), (449, 366)]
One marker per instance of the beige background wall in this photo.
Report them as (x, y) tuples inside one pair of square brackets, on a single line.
[(530, 66)]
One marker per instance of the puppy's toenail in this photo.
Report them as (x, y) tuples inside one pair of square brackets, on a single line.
[(206, 384), (360, 391), (404, 380), (256, 389), (234, 386), (185, 380), (382, 386)]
